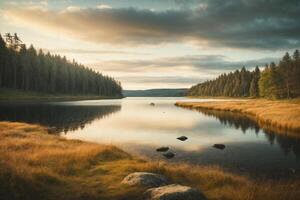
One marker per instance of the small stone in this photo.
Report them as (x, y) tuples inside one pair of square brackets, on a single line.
[(219, 146), (169, 155), (292, 170), (52, 130), (152, 104), (182, 138), (145, 179), (162, 149), (174, 192)]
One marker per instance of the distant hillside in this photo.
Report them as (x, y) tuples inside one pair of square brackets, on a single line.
[(178, 92)]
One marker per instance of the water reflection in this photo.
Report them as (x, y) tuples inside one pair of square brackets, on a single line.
[(287, 143), (140, 128), (236, 120), (61, 118)]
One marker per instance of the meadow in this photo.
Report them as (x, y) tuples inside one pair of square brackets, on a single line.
[(37, 165)]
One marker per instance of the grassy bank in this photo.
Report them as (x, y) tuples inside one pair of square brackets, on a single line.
[(36, 165), (282, 116), (19, 95)]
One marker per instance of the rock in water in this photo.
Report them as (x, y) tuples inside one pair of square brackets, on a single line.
[(219, 146), (52, 130), (169, 155), (145, 179), (182, 138), (162, 149), (152, 104), (174, 192)]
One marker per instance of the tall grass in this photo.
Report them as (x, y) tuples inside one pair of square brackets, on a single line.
[(35, 165)]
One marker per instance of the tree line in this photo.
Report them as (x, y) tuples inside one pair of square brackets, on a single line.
[(275, 81), (31, 70)]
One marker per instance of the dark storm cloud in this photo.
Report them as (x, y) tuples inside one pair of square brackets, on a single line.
[(262, 24)]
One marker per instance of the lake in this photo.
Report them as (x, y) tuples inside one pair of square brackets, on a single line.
[(139, 128)]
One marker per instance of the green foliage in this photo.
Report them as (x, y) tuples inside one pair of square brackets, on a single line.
[(26, 69), (268, 83), (254, 88), (275, 81), (236, 84)]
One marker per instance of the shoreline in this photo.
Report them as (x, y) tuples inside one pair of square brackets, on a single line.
[(281, 116), (35, 163), (9, 95)]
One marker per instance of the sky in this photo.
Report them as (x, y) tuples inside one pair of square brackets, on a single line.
[(158, 43)]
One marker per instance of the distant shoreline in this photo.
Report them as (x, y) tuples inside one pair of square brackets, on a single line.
[(9, 95), (282, 116), (159, 92)]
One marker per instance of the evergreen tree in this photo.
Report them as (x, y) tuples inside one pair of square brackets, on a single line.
[(25, 69), (254, 90), (285, 67), (295, 79), (3, 60), (275, 81)]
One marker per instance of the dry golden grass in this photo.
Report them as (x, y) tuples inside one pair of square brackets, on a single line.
[(35, 165), (282, 116)]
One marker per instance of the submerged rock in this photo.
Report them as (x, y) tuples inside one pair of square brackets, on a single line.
[(219, 146), (152, 104), (174, 192), (162, 149), (169, 155), (182, 138), (51, 130), (292, 170), (145, 179)]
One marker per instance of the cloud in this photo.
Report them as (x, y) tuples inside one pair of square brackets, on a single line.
[(161, 81), (258, 24), (187, 3), (91, 51), (28, 4), (209, 64), (104, 6), (73, 9), (181, 71)]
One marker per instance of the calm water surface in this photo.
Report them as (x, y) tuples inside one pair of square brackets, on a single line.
[(139, 128)]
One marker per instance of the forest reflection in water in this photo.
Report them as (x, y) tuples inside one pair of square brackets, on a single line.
[(288, 144), (139, 128), (59, 118), (263, 154)]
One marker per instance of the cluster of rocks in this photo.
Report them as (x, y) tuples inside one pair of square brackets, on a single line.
[(165, 152), (157, 187), (168, 154)]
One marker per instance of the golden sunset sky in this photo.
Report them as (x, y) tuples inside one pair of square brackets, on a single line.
[(156, 43)]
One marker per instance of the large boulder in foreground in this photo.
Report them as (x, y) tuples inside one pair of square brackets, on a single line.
[(174, 192), (145, 179)]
